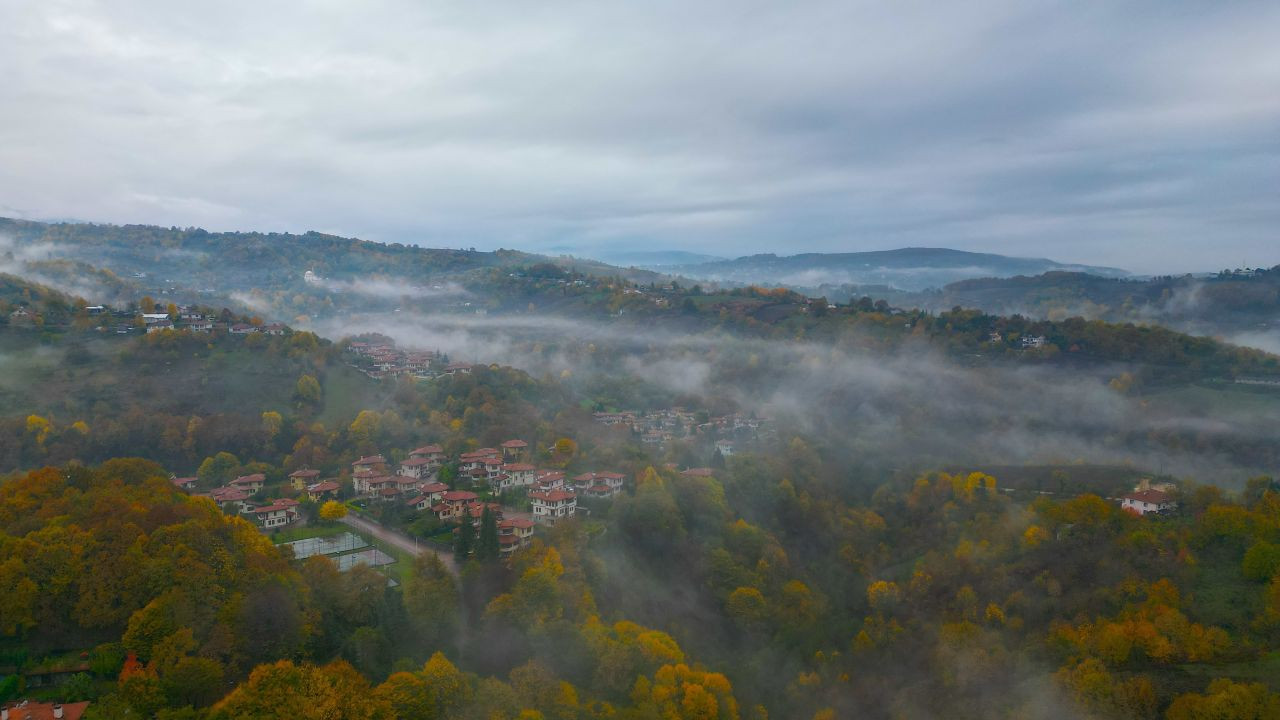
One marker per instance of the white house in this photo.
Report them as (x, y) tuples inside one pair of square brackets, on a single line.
[(553, 505), (1145, 502)]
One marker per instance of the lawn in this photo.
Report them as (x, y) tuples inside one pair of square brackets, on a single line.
[(307, 531)]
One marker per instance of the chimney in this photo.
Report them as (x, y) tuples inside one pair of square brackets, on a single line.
[(57, 712)]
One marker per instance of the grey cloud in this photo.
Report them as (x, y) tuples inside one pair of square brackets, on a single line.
[(1087, 132)]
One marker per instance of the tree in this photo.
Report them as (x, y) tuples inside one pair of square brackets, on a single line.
[(487, 547), (332, 510), (308, 390), (218, 470), (431, 600), (466, 534), (304, 692)]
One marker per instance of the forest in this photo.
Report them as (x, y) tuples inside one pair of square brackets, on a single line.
[(859, 511)]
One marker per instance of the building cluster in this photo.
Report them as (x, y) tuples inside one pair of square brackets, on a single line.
[(189, 318), (414, 481), (658, 427), (241, 493), (382, 359)]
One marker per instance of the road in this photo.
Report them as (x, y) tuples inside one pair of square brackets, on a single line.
[(399, 540)]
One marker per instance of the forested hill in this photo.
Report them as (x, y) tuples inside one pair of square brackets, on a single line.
[(191, 263), (904, 269)]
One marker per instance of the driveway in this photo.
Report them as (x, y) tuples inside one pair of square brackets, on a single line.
[(399, 540)]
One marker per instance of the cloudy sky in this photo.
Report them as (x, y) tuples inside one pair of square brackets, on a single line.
[(1140, 134)]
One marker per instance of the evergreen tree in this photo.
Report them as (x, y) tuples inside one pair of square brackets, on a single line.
[(466, 537), (487, 547)]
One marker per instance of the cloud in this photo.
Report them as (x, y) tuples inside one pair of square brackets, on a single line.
[(912, 408), (1135, 135)]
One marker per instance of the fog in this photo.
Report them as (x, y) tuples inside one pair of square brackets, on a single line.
[(910, 408)]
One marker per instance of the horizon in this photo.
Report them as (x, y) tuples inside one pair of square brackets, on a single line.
[(1091, 134)]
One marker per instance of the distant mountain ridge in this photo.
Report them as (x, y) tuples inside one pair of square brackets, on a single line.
[(904, 269)]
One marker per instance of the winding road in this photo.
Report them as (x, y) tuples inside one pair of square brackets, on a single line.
[(399, 540)]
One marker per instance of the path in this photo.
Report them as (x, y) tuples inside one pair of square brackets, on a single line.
[(399, 540)]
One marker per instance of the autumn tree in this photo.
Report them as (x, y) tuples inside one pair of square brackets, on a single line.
[(305, 692)]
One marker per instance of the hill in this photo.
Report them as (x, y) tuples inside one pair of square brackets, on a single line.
[(903, 269)]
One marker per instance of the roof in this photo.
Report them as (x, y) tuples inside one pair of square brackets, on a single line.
[(427, 450), (435, 487), (370, 460), (415, 462), (183, 482), (249, 479), (304, 473), (515, 444), (326, 486), (24, 709), (611, 475), (1155, 497), (459, 495), (518, 467), (552, 495), (228, 494), (277, 506), (516, 522), (698, 472)]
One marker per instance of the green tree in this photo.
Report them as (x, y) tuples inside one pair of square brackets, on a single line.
[(462, 545), (487, 546), (218, 470)]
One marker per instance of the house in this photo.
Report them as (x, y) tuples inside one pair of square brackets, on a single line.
[(418, 467), (159, 325), (153, 318), (277, 514), (725, 447), (300, 479), (1036, 341), (32, 710), (242, 329), (273, 329), (249, 483), (520, 474), (513, 534), (457, 368), (323, 490), (1146, 502), (370, 462), (453, 504), (474, 460), (553, 506), (231, 495), (549, 480), (599, 484), (184, 483), (511, 449), (434, 453), (200, 324), (1148, 498)]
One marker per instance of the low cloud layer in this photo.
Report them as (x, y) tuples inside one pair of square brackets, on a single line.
[(1140, 135), (913, 408)]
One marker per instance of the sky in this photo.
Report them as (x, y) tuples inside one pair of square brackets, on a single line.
[(1143, 135)]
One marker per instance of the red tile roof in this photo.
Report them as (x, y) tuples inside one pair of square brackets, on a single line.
[(304, 473), (515, 444), (1155, 497), (459, 496), (552, 495)]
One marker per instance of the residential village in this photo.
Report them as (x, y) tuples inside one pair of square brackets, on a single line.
[(501, 480)]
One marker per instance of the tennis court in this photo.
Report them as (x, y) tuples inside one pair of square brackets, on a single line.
[(332, 545), (371, 557)]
